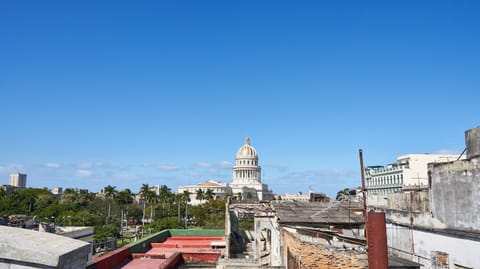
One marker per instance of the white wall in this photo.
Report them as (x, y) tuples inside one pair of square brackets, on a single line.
[(461, 251)]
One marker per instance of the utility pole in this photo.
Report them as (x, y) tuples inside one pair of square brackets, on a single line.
[(364, 190)]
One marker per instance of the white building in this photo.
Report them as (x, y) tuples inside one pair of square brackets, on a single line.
[(246, 179), (218, 189), (247, 175), (409, 172), (18, 180)]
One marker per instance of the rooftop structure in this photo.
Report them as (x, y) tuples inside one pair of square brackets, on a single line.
[(167, 249), (30, 249)]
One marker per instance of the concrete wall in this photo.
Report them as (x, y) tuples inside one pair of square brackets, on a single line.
[(455, 194), (112, 258), (374, 200), (418, 246), (414, 201), (417, 201), (268, 223)]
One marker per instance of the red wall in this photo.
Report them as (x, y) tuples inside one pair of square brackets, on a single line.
[(112, 258)]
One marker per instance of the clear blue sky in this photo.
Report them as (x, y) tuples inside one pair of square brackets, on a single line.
[(94, 93)]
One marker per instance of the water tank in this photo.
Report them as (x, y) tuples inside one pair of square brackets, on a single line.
[(472, 141)]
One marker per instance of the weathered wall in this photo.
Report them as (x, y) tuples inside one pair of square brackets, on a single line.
[(455, 194), (376, 201), (305, 255), (112, 258), (421, 243), (268, 223), (417, 201), (472, 140)]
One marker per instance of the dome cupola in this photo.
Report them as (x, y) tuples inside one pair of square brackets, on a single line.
[(247, 151)]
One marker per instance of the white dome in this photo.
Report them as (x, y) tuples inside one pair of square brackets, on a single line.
[(247, 151)]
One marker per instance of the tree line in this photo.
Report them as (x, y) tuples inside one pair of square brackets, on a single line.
[(112, 209)]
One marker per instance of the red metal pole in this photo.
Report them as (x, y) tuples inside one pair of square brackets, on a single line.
[(377, 243), (364, 190)]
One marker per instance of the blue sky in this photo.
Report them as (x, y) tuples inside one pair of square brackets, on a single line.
[(96, 93)]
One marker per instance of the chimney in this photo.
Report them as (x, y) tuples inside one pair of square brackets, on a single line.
[(377, 241)]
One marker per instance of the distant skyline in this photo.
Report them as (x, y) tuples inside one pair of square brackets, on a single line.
[(116, 93)]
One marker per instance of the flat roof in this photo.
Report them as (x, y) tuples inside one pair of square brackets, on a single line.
[(317, 212), (29, 246)]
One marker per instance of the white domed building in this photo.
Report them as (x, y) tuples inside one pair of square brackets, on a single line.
[(246, 179), (247, 175)]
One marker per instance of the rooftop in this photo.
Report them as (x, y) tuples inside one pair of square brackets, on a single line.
[(27, 247), (318, 213)]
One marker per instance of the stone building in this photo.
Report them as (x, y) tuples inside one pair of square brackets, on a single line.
[(246, 181), (247, 173)]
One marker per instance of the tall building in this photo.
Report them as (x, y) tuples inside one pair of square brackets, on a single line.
[(18, 180), (409, 172), (247, 175)]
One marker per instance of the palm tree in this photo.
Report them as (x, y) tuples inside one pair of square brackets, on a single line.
[(209, 195), (186, 199), (110, 193), (151, 198), (143, 195), (164, 195), (200, 195), (125, 196)]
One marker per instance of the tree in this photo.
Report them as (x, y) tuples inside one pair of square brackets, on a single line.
[(165, 196), (143, 194), (249, 196), (342, 194), (186, 200), (110, 193), (3, 194), (151, 198), (125, 197), (200, 195), (209, 195)]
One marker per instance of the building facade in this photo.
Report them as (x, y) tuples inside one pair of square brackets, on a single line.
[(218, 189), (246, 181), (247, 172), (409, 172), (18, 180)]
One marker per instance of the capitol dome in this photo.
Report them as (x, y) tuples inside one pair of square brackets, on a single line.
[(247, 151)]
